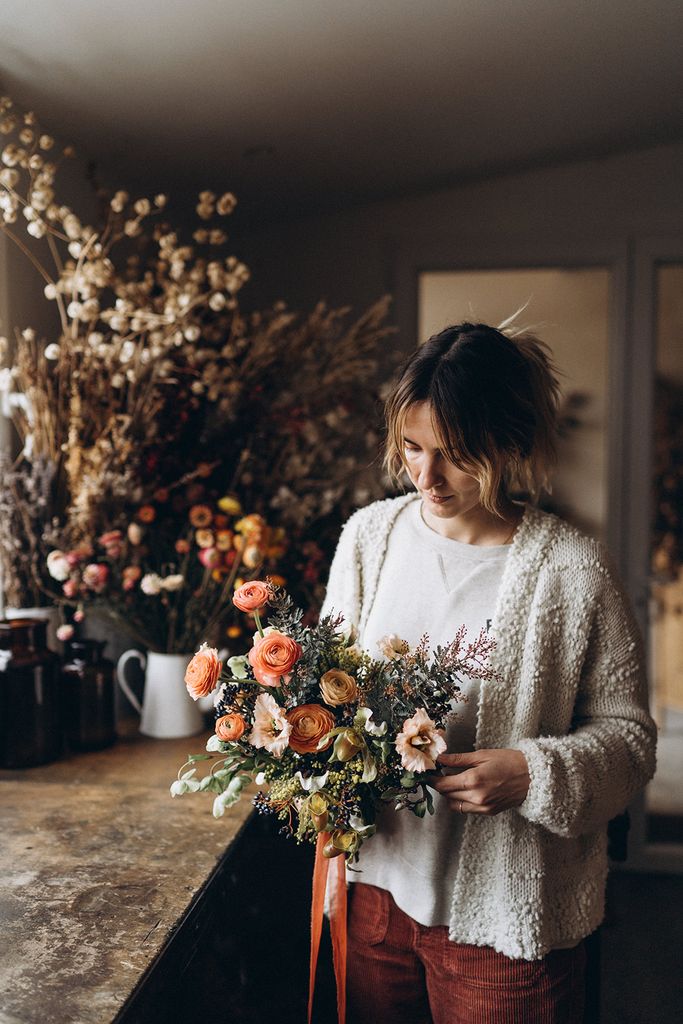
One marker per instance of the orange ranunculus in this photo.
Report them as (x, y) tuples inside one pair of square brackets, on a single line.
[(309, 722), (338, 687), (251, 596), (230, 727), (203, 671), (273, 656), (201, 515)]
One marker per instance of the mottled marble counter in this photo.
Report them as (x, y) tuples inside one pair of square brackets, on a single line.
[(98, 866)]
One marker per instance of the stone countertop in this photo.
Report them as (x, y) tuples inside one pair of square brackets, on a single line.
[(98, 865)]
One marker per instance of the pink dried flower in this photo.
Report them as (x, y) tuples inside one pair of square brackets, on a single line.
[(111, 542), (210, 557), (95, 576), (131, 574)]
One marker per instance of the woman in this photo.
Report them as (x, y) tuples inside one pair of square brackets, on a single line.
[(479, 913)]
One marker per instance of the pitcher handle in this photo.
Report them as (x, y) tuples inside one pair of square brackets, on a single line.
[(121, 675)]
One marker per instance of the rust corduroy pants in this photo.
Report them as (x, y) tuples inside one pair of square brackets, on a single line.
[(401, 971)]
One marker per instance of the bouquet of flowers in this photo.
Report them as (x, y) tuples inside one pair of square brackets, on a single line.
[(328, 732)]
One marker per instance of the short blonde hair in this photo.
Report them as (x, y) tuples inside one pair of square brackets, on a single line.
[(494, 401)]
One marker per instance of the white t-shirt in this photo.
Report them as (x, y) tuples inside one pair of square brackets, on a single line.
[(428, 584)]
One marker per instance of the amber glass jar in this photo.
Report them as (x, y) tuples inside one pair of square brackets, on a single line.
[(88, 696), (30, 720)]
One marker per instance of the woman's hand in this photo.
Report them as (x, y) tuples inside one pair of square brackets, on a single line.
[(492, 781)]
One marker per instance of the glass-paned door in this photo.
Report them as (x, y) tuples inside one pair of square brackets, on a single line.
[(569, 309), (664, 796)]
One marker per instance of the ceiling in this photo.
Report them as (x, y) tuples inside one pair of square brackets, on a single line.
[(301, 105)]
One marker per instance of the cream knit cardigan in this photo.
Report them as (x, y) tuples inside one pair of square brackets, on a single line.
[(571, 694)]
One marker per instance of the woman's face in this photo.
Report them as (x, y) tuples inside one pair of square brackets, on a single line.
[(446, 490)]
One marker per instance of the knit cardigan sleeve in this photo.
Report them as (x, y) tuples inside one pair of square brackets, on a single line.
[(581, 780), (344, 591)]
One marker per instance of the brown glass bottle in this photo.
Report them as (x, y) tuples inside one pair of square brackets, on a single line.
[(30, 720), (88, 696)]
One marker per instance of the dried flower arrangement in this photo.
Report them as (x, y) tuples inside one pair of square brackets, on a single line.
[(157, 374)]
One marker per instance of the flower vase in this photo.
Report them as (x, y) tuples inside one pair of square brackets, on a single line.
[(167, 710)]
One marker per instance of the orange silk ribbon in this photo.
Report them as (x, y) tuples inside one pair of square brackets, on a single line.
[(337, 923)]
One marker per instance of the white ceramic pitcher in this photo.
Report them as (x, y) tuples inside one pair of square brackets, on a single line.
[(167, 710)]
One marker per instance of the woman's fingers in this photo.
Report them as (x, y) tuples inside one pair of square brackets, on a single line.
[(494, 781), (457, 784)]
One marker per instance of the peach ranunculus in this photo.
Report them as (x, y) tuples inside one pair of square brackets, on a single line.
[(419, 743), (338, 687), (309, 722), (271, 729), (251, 596), (230, 727), (203, 671), (274, 656)]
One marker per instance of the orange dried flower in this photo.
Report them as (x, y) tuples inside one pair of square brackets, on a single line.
[(224, 539), (201, 515), (146, 514)]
